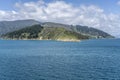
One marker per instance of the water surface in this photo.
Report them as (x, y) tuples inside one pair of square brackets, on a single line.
[(52, 60)]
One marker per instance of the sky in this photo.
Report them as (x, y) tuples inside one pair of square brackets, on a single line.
[(100, 14)]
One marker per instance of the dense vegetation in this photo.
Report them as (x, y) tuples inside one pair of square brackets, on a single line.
[(28, 33), (10, 26)]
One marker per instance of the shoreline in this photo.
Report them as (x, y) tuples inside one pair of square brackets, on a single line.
[(65, 40), (60, 40)]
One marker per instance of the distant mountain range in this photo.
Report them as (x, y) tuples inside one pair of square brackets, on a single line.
[(31, 29)]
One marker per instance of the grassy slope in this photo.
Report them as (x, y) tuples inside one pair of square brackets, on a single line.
[(60, 34)]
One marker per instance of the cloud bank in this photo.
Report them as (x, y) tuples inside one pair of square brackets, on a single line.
[(62, 12)]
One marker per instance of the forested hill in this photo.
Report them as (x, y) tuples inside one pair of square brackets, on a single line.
[(13, 26), (9, 26), (44, 32), (39, 32)]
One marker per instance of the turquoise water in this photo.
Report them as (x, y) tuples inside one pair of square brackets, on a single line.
[(52, 60)]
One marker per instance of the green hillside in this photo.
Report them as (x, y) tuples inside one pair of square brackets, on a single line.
[(45, 33), (10, 26), (94, 33)]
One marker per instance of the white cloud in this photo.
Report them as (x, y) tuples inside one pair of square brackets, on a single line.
[(62, 12)]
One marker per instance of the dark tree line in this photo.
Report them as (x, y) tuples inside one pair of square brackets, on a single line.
[(29, 32)]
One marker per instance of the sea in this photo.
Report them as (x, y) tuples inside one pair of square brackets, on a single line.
[(95, 59)]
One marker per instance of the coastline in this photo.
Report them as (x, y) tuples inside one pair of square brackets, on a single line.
[(62, 40)]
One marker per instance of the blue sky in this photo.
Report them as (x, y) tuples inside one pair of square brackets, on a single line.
[(100, 14), (107, 5)]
